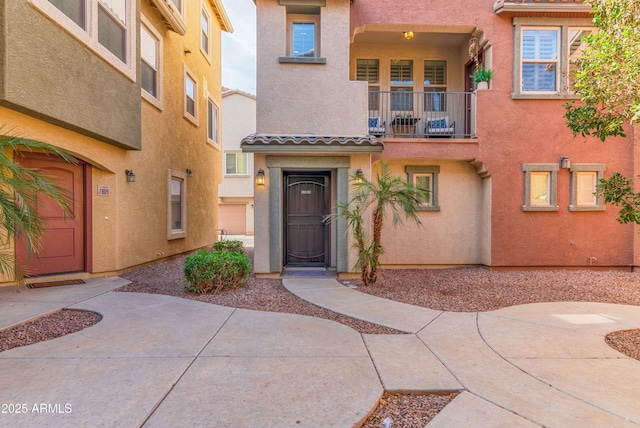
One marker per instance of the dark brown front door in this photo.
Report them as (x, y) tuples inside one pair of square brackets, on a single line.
[(63, 245), (306, 205)]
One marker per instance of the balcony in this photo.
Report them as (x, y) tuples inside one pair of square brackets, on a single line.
[(402, 114)]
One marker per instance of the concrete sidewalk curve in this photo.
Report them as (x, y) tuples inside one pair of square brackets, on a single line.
[(543, 364)]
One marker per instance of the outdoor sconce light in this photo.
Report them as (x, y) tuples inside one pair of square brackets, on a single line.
[(409, 35), (260, 177), (189, 173), (359, 176), (565, 163), (131, 177)]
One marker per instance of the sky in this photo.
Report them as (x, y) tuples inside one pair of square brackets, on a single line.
[(239, 47)]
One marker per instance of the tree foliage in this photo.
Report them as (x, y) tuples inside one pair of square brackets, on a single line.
[(607, 76), (386, 195), (20, 188)]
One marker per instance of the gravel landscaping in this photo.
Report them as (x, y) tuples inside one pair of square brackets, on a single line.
[(458, 290)]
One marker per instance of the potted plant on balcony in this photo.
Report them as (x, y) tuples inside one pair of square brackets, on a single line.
[(481, 77)]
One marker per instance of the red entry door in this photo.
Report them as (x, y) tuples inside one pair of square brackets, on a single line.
[(63, 248)]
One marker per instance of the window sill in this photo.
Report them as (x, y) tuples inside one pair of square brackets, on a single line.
[(152, 100), (301, 60), (578, 208), (176, 235), (543, 96), (435, 208), (530, 208), (237, 176)]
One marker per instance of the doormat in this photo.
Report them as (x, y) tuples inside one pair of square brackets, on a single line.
[(55, 283)]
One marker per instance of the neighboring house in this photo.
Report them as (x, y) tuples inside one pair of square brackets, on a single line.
[(236, 191), (133, 90), (343, 84)]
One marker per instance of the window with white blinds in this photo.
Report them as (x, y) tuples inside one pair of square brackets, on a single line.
[(546, 55), (540, 59), (435, 73)]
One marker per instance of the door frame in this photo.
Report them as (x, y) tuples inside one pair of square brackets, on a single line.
[(326, 175)]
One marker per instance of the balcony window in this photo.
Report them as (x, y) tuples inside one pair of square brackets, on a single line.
[(435, 84), (368, 70), (401, 85)]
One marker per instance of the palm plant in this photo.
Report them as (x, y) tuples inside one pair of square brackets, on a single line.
[(20, 188), (385, 195)]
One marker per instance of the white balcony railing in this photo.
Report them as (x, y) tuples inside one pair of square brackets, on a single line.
[(400, 114)]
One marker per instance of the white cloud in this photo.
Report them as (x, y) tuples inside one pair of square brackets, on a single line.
[(239, 47)]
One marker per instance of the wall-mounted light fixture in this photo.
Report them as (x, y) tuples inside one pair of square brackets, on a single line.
[(565, 163), (189, 173), (409, 35), (260, 177), (131, 177), (359, 176)]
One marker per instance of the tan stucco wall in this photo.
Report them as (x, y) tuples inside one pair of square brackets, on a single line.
[(451, 236), (51, 75), (130, 225), (298, 90)]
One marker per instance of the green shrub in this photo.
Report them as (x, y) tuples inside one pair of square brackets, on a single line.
[(229, 246), (212, 271)]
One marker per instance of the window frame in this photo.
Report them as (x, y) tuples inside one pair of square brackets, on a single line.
[(398, 95), (414, 171), (564, 25), (576, 168), (88, 36), (433, 91), (226, 163), (213, 141), (177, 233), (374, 84), (205, 13), (156, 100), (552, 191), (191, 117), (302, 15)]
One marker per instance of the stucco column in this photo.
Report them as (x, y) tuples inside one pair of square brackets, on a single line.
[(275, 219), (342, 247)]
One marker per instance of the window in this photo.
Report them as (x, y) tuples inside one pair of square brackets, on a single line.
[(104, 26), (176, 204), (236, 164), (212, 122), (190, 94), (425, 177), (540, 187), (303, 28), (576, 45), (546, 56), (150, 55), (369, 70), (205, 34), (435, 83), (401, 85), (584, 179)]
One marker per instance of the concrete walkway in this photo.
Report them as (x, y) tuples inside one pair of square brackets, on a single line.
[(544, 364), (162, 361)]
